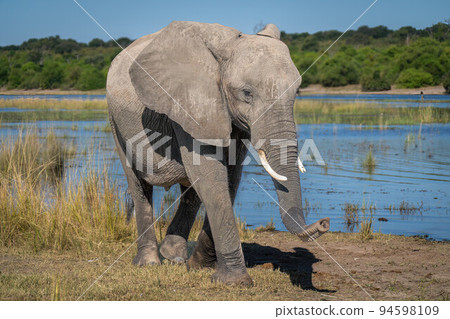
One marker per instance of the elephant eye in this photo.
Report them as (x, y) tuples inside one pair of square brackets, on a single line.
[(248, 96)]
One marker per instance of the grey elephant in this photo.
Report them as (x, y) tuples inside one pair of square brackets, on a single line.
[(193, 82)]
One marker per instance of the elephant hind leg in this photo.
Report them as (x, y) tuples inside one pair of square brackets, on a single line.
[(147, 243), (204, 255), (174, 245)]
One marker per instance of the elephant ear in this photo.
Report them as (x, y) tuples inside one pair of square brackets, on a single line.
[(178, 74), (270, 30)]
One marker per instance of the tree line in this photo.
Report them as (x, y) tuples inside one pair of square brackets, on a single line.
[(376, 58)]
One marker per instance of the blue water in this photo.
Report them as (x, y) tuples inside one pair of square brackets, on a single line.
[(412, 165)]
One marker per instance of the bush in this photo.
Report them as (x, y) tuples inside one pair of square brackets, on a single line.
[(91, 79), (4, 71), (338, 71), (52, 74), (413, 78), (374, 82)]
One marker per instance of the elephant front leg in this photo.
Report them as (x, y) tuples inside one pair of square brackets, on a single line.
[(174, 245), (209, 178), (204, 255)]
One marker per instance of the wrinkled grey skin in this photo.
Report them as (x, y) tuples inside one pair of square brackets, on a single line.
[(225, 80)]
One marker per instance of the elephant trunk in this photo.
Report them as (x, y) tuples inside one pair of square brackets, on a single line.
[(282, 163)]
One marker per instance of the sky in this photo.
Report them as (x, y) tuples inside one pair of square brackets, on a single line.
[(21, 20)]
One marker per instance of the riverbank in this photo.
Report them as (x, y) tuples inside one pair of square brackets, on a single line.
[(310, 90), (283, 268), (305, 111), (356, 89)]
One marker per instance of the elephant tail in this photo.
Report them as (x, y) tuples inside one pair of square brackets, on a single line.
[(129, 206)]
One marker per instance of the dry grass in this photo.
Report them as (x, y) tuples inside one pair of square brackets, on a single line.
[(380, 262), (84, 215), (69, 104), (31, 156), (270, 226), (366, 225), (351, 216), (319, 112)]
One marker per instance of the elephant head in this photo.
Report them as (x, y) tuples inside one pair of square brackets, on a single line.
[(206, 77)]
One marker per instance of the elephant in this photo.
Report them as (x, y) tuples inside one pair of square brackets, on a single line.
[(197, 82)]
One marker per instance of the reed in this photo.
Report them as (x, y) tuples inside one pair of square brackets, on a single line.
[(369, 162), (54, 104), (83, 215), (319, 112), (366, 224)]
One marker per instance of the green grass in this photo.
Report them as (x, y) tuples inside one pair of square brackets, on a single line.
[(319, 112), (99, 128)]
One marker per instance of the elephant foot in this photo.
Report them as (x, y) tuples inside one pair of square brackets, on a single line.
[(147, 255), (237, 278), (174, 248), (204, 255)]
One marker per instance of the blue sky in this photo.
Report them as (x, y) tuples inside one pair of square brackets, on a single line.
[(24, 19)]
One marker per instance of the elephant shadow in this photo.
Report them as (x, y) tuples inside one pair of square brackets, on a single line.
[(298, 264)]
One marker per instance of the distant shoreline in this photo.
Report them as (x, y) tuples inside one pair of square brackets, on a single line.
[(313, 89)]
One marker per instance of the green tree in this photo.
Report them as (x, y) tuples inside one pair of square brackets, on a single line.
[(4, 71), (52, 74), (91, 79), (413, 78), (338, 71), (373, 81), (30, 76)]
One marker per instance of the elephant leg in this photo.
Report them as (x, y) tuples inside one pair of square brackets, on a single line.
[(147, 244), (142, 195), (209, 177), (204, 255), (174, 245)]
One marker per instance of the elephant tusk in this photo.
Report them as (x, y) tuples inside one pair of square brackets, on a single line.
[(301, 168), (266, 165)]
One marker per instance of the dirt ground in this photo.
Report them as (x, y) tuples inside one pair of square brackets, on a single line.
[(337, 267), (342, 267)]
